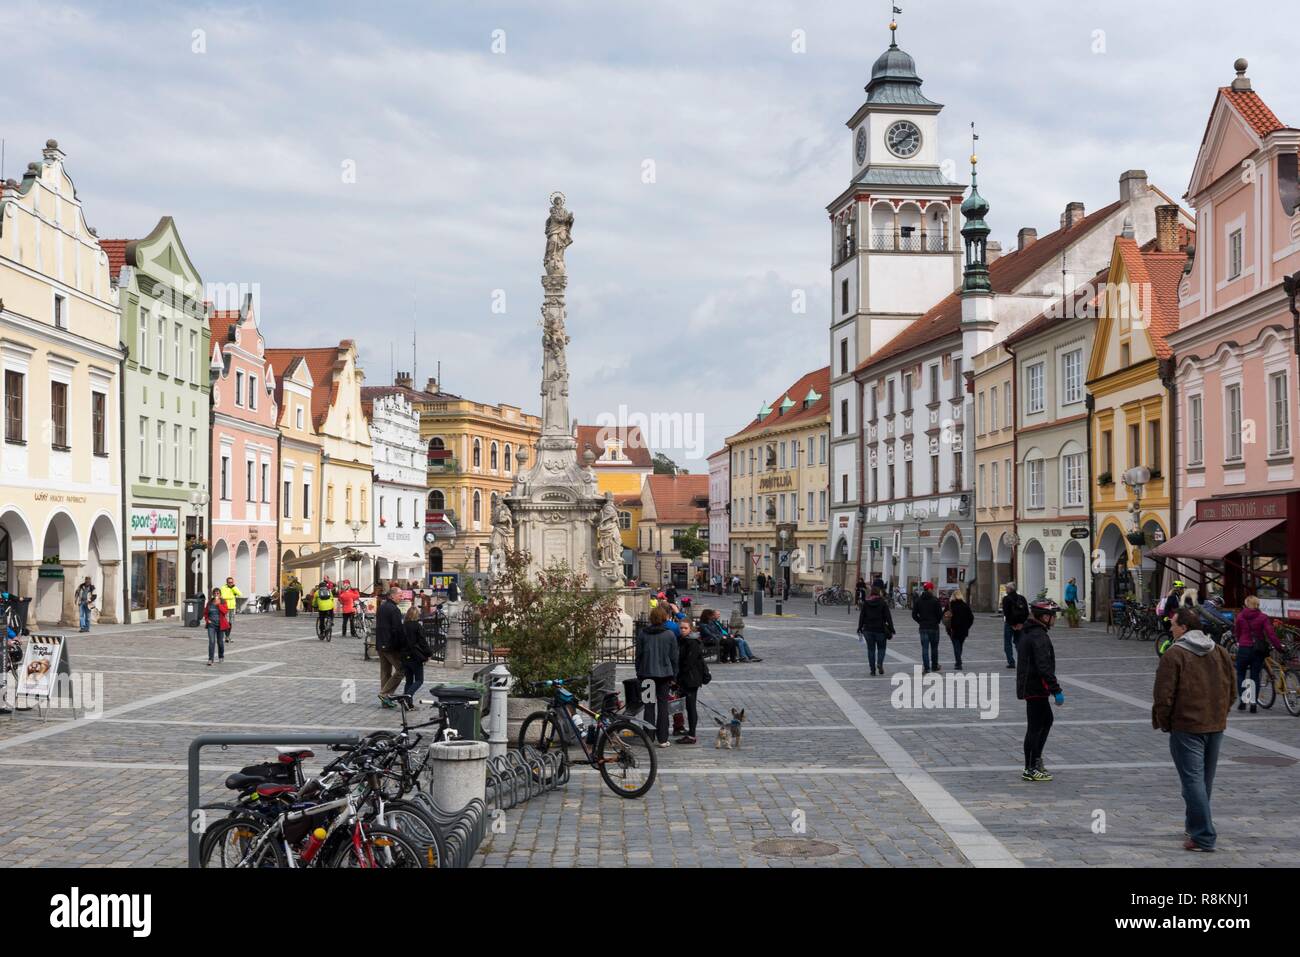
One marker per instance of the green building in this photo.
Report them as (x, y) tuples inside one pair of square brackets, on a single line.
[(166, 431)]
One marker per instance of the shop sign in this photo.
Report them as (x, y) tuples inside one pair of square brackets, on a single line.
[(844, 521), (1079, 532), (154, 523), (1238, 509), (772, 483)]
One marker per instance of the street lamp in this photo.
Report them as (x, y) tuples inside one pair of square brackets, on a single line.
[(198, 502), (356, 527), (1135, 478)]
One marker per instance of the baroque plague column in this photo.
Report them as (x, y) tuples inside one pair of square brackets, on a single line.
[(556, 513)]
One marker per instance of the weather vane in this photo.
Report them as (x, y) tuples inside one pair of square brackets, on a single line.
[(893, 21), (974, 138)]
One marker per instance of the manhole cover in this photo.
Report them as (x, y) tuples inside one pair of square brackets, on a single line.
[(1266, 760), (795, 847)]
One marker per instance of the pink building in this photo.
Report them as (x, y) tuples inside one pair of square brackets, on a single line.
[(1238, 503), (245, 444)]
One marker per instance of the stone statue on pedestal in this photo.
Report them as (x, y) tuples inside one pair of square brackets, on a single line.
[(503, 537)]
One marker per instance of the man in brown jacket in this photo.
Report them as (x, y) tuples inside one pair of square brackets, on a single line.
[(1194, 691)]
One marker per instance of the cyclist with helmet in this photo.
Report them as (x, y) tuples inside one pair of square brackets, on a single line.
[(324, 611), (1036, 683), (1171, 603)]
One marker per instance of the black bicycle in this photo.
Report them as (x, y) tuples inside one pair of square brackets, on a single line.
[(616, 746), (325, 625)]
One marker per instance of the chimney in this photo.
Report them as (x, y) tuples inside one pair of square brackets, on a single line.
[(1073, 213), (403, 379), (431, 385), (992, 251), (1167, 228), (1132, 185), (1242, 82), (1026, 236)]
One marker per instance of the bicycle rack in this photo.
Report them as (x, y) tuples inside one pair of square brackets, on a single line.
[(517, 776)]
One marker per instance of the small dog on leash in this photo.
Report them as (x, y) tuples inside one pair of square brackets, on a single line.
[(729, 731)]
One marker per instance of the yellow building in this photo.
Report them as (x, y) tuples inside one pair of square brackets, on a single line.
[(621, 465), (1130, 417), (346, 467), (779, 518), (995, 477), (60, 353), (473, 451), (300, 470)]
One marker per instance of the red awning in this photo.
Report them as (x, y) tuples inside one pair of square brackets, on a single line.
[(1210, 541)]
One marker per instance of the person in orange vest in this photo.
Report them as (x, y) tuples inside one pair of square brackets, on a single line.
[(348, 597)]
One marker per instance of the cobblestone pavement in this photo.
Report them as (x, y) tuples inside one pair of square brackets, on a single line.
[(826, 757)]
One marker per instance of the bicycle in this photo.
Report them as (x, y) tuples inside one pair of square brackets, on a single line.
[(617, 747), (900, 599), (835, 595), (1283, 674), (325, 626)]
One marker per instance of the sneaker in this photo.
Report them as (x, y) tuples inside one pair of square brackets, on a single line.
[(1035, 775), (664, 744), (1241, 706), (1254, 709), (209, 664), (755, 659), (1011, 664), (1190, 845), (873, 672), (687, 739)]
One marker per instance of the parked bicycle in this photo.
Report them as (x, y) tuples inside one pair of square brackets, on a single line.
[(835, 595), (1281, 673), (618, 747)]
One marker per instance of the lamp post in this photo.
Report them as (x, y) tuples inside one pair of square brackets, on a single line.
[(920, 517), (1135, 478), (198, 502), (355, 526)]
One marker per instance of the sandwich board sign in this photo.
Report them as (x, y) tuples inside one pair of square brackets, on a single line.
[(44, 660)]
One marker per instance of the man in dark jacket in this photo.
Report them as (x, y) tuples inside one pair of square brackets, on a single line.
[(928, 613), (1194, 690), (876, 626), (389, 642), (1015, 611), (656, 660), (1035, 683)]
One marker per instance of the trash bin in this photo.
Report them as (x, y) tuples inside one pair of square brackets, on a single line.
[(464, 703), (193, 612)]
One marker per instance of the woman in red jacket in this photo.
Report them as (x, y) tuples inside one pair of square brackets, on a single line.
[(1254, 633), (216, 615), (348, 597)]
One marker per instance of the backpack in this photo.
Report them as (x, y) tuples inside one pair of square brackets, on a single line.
[(323, 592)]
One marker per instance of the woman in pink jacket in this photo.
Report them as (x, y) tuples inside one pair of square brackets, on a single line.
[(1254, 633)]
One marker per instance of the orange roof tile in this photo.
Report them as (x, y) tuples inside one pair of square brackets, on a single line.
[(221, 323), (116, 249), (1253, 110), (676, 498), (1162, 273), (321, 363), (818, 381), (1006, 274), (634, 446)]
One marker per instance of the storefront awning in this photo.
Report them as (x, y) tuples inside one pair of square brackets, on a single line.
[(314, 560), (1210, 541)]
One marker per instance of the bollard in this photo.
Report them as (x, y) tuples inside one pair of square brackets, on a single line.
[(778, 607), (744, 606), (458, 772), (499, 683), (758, 603)]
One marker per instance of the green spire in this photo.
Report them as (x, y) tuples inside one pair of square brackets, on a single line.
[(976, 234)]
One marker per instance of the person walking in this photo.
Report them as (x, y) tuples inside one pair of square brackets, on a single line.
[(415, 652), (348, 598), (959, 619), (1072, 594), (389, 642), (1035, 684), (1191, 699), (1015, 612), (1254, 633), (876, 627), (656, 660), (928, 613), (860, 592), (692, 674), (229, 592), (85, 599), (216, 617)]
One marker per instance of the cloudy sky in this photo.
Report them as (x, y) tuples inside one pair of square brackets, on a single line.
[(698, 144)]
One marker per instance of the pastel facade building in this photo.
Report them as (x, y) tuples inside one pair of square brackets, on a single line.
[(1238, 509), (245, 453), (166, 397), (60, 362), (300, 470), (672, 505), (398, 495), (720, 512)]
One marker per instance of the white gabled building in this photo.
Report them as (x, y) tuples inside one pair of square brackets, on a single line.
[(397, 496)]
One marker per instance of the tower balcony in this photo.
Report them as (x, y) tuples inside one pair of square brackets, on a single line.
[(909, 240)]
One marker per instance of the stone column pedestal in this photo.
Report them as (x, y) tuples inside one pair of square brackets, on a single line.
[(27, 580), (71, 579), (110, 593)]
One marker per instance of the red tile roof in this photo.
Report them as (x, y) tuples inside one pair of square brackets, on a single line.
[(675, 498), (818, 381), (1161, 273), (1006, 274), (1253, 110), (221, 324), (116, 249), (634, 446), (322, 363), (629, 499)]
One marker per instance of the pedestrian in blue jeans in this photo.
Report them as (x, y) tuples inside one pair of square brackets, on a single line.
[(876, 625), (928, 613), (1015, 612), (1194, 690), (85, 599)]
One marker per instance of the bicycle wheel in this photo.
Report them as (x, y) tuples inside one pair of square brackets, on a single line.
[(232, 843), (1291, 691), (626, 758), (1266, 693), (379, 847), (414, 822), (543, 733)]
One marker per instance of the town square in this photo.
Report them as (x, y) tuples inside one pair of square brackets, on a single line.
[(442, 436)]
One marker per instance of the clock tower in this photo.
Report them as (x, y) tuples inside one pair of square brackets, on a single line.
[(895, 253)]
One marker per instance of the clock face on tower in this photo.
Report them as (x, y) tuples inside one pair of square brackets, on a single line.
[(860, 147), (903, 138)]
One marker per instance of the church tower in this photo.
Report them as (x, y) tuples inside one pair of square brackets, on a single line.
[(895, 253)]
